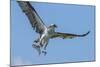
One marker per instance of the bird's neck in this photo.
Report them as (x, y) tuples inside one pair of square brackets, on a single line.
[(51, 29)]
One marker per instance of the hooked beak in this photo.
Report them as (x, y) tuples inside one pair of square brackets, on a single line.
[(55, 26)]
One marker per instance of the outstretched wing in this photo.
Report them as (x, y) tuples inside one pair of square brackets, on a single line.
[(67, 35), (33, 17)]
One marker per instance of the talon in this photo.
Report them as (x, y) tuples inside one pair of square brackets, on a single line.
[(44, 52)]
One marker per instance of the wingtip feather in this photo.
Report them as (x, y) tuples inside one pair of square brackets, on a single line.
[(85, 34)]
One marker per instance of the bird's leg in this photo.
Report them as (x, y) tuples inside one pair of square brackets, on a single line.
[(45, 45), (44, 48), (37, 47), (41, 41), (41, 44)]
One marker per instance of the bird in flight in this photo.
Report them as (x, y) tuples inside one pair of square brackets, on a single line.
[(45, 33)]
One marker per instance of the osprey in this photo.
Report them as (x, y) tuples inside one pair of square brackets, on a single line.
[(45, 33)]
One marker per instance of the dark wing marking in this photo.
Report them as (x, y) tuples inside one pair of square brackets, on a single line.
[(67, 35), (33, 17)]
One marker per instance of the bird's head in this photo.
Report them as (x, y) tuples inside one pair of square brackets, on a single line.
[(53, 25)]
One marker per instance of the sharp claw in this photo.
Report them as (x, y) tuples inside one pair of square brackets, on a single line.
[(44, 53)]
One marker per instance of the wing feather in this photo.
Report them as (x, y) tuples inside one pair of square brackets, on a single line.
[(67, 35), (33, 16)]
